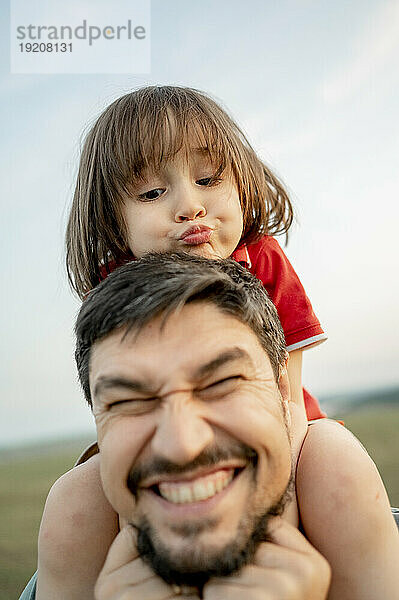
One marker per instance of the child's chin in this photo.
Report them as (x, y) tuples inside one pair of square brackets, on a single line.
[(204, 250)]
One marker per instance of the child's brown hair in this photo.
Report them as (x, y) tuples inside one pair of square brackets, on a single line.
[(143, 130)]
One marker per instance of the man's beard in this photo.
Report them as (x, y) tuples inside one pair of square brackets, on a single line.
[(195, 565)]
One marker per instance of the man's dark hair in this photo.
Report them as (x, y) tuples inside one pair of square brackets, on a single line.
[(161, 284)]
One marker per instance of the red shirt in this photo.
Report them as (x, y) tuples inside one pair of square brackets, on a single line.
[(266, 260), (268, 263)]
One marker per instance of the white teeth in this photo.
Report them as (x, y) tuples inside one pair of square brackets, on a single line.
[(199, 489), (185, 494), (211, 488), (174, 496), (219, 485)]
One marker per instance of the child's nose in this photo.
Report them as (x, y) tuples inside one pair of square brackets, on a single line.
[(189, 207), (190, 215)]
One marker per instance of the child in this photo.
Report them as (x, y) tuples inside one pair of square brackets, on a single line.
[(162, 169)]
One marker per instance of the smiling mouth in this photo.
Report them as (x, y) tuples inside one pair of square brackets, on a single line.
[(196, 490)]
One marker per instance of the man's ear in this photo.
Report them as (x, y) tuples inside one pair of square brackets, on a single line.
[(283, 380), (284, 387)]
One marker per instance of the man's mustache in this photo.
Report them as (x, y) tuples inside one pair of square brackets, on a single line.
[(209, 457)]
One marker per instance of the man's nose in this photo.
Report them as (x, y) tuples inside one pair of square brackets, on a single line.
[(189, 206), (182, 434)]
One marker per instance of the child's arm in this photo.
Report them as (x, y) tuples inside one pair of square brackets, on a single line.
[(297, 404), (77, 529), (346, 515), (294, 368), (298, 424)]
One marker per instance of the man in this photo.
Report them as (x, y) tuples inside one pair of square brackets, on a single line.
[(183, 362)]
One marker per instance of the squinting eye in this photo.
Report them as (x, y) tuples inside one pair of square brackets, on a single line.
[(133, 405), (152, 194), (226, 381), (220, 388)]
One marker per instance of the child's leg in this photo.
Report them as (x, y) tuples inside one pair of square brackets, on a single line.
[(346, 515), (77, 529)]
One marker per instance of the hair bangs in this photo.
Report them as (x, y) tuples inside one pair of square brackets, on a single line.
[(151, 138)]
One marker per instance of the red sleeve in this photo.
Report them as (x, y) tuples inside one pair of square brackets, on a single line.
[(269, 264)]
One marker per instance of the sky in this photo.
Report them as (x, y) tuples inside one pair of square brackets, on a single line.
[(315, 86)]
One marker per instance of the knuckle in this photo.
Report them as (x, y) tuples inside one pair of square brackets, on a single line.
[(316, 572), (288, 585), (105, 588), (216, 592), (98, 592), (308, 568), (249, 571), (325, 569)]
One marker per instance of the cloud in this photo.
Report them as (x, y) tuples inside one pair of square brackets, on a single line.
[(373, 49)]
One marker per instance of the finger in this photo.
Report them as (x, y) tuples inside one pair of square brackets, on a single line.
[(283, 534), (264, 578), (224, 589), (272, 556), (123, 522), (151, 589), (116, 586), (248, 576), (290, 553), (123, 550), (132, 573), (269, 584)]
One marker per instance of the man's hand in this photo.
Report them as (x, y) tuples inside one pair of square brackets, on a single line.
[(287, 569), (125, 576)]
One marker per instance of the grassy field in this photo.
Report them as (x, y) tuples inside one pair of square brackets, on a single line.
[(25, 480), (377, 429), (27, 475)]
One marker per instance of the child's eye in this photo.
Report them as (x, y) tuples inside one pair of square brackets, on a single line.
[(208, 181), (152, 194)]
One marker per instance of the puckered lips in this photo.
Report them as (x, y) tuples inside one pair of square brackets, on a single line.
[(196, 235), (193, 491)]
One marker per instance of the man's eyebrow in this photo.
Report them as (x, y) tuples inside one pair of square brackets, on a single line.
[(228, 356), (132, 385)]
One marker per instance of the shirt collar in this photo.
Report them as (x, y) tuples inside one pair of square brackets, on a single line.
[(241, 255)]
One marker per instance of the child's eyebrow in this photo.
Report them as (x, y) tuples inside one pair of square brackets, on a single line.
[(202, 151), (145, 174)]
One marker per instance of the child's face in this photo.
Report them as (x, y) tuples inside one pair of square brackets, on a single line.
[(182, 208)]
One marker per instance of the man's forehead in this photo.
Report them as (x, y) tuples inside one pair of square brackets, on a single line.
[(193, 336)]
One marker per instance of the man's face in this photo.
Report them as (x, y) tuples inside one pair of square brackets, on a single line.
[(193, 441)]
